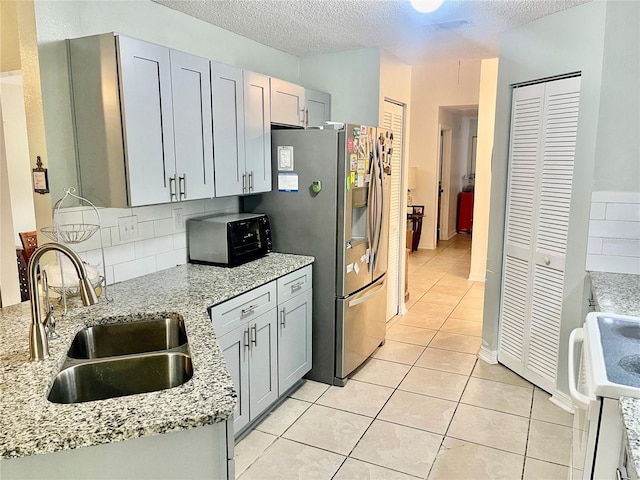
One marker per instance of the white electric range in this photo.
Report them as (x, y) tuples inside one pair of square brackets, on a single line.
[(607, 368)]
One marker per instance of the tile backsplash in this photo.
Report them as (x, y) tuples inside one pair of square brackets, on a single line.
[(614, 233), (140, 240)]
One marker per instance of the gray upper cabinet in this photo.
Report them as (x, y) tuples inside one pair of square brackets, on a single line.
[(287, 103), (293, 105), (257, 133), (124, 109), (191, 87), (241, 130), (228, 129), (318, 108)]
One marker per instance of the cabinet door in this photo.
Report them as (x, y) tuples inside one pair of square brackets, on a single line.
[(287, 103), (235, 348), (263, 366), (257, 131), (192, 125), (228, 129), (318, 106), (294, 340), (147, 118)]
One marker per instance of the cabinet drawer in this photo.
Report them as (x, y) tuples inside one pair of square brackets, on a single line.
[(233, 313), (294, 283)]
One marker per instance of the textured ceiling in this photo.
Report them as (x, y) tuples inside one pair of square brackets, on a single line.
[(311, 27)]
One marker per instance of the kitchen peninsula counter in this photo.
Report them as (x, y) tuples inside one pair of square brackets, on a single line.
[(620, 293), (30, 424)]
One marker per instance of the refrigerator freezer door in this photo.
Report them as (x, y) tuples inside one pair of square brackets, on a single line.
[(360, 327)]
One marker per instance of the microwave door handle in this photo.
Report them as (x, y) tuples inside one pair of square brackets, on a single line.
[(581, 400)]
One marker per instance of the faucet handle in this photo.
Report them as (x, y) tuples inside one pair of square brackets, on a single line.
[(49, 323)]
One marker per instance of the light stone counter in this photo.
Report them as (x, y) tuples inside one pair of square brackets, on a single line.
[(30, 424), (620, 293)]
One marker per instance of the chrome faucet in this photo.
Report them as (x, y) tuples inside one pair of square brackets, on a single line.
[(38, 343)]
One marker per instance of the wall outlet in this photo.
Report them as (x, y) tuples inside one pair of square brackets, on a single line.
[(128, 227), (178, 220)]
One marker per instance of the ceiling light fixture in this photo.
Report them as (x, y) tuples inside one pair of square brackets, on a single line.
[(426, 6)]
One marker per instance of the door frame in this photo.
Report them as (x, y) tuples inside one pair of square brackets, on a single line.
[(444, 173), (402, 205)]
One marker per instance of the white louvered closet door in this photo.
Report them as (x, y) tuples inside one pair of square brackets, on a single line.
[(393, 120), (542, 152)]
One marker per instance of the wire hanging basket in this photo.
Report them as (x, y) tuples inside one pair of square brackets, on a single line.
[(71, 232), (74, 233)]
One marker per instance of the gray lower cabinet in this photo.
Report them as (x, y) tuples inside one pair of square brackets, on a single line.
[(294, 340), (267, 346), (250, 353)]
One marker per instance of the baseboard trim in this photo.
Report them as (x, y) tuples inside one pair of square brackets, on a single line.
[(563, 401), (489, 356), (476, 278)]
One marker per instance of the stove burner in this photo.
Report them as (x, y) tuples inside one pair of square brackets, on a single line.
[(631, 364), (628, 331)]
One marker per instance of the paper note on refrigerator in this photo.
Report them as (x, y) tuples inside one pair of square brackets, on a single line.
[(287, 182)]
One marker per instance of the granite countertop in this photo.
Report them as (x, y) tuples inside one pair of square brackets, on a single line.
[(30, 424), (620, 293)]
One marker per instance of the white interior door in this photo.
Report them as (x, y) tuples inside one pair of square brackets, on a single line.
[(541, 158), (393, 120)]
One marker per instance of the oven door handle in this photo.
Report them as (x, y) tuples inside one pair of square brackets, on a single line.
[(581, 400)]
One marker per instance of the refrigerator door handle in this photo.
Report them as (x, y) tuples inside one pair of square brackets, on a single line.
[(382, 201), (378, 210), (366, 298)]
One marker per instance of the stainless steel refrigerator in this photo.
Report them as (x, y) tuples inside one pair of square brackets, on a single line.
[(330, 200)]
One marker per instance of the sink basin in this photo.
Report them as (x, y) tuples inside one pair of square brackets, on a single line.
[(128, 338), (118, 377)]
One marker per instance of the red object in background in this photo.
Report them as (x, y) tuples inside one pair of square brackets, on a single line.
[(465, 212)]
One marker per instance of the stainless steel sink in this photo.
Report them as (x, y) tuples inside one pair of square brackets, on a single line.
[(119, 359), (118, 377), (128, 338)]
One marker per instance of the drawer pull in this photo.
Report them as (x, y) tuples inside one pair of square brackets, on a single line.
[(282, 318), (297, 286), (248, 310), (254, 335)]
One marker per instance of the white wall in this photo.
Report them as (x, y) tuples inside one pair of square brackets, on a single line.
[(447, 84), (17, 151), (617, 165), (482, 191), (143, 19), (353, 80), (9, 284)]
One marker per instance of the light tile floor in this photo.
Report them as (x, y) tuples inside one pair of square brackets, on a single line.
[(423, 406)]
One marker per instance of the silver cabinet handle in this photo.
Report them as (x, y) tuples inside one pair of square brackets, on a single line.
[(297, 286), (182, 186), (245, 338), (172, 188), (248, 310), (250, 181), (547, 261), (283, 321), (254, 335), (244, 182), (302, 117)]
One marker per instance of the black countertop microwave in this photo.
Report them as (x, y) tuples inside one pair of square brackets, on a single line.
[(228, 239)]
